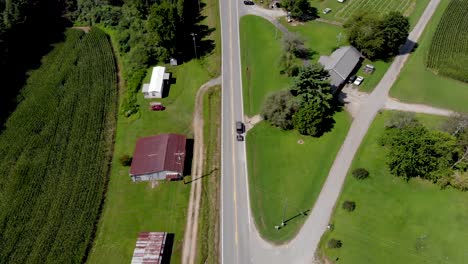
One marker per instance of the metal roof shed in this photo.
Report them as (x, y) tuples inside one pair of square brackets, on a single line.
[(149, 248), (340, 64)]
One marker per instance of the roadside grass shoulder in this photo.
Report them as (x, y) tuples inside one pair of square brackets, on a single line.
[(208, 231), (260, 54), (417, 84), (396, 221), (285, 174)]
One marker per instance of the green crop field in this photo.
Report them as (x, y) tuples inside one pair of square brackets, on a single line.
[(55, 152), (448, 53), (373, 6), (342, 11)]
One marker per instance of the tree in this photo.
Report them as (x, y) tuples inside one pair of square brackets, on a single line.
[(394, 28), (125, 160), (417, 152), (377, 38), (300, 9), (401, 120), (349, 206), (361, 30), (293, 43), (334, 243), (360, 173), (312, 119), (312, 85), (279, 109), (162, 25)]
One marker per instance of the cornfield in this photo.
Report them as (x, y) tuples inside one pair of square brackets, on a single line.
[(448, 53), (55, 152)]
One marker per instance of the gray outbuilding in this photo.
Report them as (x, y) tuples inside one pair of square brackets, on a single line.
[(340, 64)]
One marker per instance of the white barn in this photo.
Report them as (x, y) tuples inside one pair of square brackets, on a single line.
[(155, 88)]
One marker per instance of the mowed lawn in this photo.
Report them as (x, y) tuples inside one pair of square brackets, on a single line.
[(397, 221), (321, 38), (133, 207), (417, 84), (260, 55), (284, 174)]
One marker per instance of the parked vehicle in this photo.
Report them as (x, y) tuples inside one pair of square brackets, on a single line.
[(240, 137), (248, 2), (240, 128), (327, 10), (358, 80), (158, 107)]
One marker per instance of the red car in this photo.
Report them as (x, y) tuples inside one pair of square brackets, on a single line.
[(157, 107)]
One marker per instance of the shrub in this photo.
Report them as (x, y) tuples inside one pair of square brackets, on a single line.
[(125, 160), (360, 173), (334, 243), (279, 109), (349, 206)]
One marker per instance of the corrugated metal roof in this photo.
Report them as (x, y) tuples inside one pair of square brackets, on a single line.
[(149, 248), (165, 152)]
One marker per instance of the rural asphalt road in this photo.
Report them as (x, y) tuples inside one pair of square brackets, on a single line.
[(240, 240)]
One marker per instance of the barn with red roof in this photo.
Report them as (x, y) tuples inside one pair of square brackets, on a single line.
[(159, 157)]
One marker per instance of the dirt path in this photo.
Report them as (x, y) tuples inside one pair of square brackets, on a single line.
[(189, 249), (353, 100), (250, 122)]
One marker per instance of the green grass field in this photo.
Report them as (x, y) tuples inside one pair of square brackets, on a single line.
[(397, 221), (285, 173), (260, 54), (417, 84)]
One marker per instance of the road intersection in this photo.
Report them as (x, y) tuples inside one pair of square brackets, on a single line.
[(240, 240)]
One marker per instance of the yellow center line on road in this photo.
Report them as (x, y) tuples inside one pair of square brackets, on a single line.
[(232, 116)]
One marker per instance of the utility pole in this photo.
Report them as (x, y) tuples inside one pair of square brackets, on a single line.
[(194, 44), (284, 212)]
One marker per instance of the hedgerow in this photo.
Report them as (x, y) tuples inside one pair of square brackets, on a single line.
[(55, 153)]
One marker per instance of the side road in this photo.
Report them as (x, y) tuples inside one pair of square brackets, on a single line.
[(190, 237)]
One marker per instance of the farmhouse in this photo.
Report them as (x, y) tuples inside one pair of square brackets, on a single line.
[(158, 157), (340, 64), (158, 81), (149, 248)]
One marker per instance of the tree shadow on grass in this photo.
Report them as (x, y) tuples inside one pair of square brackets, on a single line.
[(195, 35), (21, 51)]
